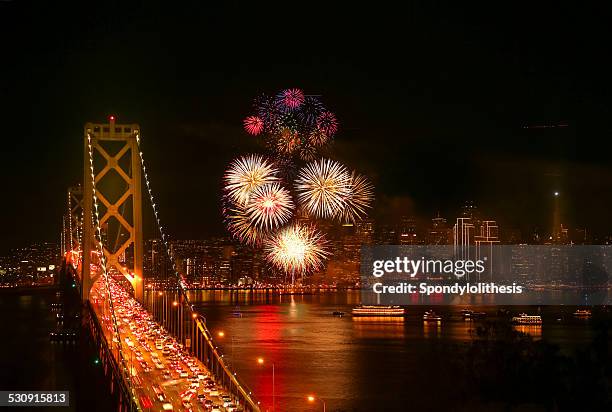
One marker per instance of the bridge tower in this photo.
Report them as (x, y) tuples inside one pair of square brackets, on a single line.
[(74, 217), (72, 227), (117, 178)]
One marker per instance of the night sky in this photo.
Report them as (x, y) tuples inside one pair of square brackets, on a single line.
[(431, 99)]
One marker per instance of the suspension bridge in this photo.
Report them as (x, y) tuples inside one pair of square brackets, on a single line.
[(154, 346)]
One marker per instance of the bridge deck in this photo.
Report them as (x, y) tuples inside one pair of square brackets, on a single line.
[(139, 334)]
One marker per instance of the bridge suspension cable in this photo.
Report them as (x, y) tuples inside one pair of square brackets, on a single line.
[(164, 237), (105, 275), (181, 288)]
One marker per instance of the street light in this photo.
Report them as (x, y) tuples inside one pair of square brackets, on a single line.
[(312, 398), (221, 334), (260, 361)]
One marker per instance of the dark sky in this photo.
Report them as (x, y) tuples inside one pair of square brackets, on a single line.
[(431, 99)]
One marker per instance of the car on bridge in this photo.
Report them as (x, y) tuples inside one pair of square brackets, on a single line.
[(159, 393)]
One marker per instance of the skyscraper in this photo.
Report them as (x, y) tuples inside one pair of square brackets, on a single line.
[(488, 235), (463, 237), (439, 233)]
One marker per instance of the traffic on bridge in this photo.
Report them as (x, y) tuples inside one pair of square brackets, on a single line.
[(163, 374)]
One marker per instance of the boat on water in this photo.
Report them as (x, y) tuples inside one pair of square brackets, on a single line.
[(378, 310), (582, 313), (237, 313), (338, 313), (431, 316), (525, 319), (469, 314)]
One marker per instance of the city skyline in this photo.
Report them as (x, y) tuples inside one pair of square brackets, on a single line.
[(396, 212), (480, 228)]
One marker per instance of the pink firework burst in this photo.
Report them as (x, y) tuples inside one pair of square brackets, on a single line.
[(327, 123), (253, 125), (292, 98)]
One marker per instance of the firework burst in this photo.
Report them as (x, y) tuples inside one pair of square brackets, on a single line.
[(270, 206), (287, 169), (308, 152), (261, 211), (253, 125), (240, 225), (310, 110), (359, 199), (285, 121), (291, 121), (268, 110), (318, 138), (247, 173), (297, 249), (327, 123), (288, 141), (322, 188), (291, 98)]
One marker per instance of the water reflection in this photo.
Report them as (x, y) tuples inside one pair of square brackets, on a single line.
[(432, 329), (354, 364), (534, 331), (383, 327)]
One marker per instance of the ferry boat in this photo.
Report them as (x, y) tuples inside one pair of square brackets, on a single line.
[(583, 313), (524, 319), (431, 316), (378, 310), (468, 314)]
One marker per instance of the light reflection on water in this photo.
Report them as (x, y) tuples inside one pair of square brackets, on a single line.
[(391, 327), (432, 329), (356, 364), (535, 331)]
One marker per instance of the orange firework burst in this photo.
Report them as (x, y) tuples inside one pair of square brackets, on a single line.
[(246, 174), (297, 249), (323, 187), (318, 138), (288, 141), (270, 206)]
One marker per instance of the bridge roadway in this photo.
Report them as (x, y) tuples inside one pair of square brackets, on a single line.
[(139, 334)]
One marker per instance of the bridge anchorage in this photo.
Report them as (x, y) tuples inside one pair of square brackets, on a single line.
[(150, 336)]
